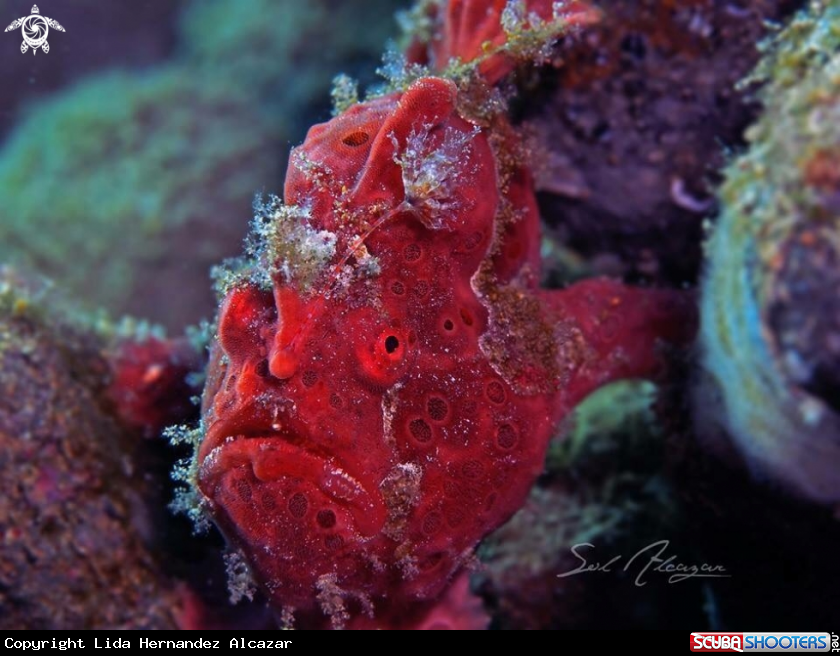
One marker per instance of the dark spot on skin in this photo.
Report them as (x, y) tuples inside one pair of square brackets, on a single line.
[(506, 436), (268, 501), (333, 542), (298, 505), (495, 392), (356, 139), (437, 408), (243, 489), (412, 253), (421, 430), (325, 518), (391, 343)]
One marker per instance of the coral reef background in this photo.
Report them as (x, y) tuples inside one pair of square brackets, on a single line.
[(130, 158), (74, 515), (132, 151)]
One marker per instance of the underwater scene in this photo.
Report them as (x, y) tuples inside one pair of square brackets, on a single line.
[(445, 314)]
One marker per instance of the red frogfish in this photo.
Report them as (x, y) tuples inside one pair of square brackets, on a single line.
[(387, 373)]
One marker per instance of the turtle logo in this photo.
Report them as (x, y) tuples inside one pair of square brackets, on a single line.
[(34, 29)]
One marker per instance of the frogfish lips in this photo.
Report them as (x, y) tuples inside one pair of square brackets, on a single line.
[(270, 491)]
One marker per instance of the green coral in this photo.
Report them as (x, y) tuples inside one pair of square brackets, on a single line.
[(773, 207), (805, 44), (765, 195), (97, 180)]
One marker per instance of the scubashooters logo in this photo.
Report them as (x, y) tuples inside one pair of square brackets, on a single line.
[(741, 642), (34, 29), (141, 643)]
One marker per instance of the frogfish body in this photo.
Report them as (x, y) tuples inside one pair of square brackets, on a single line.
[(387, 376), (387, 373)]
